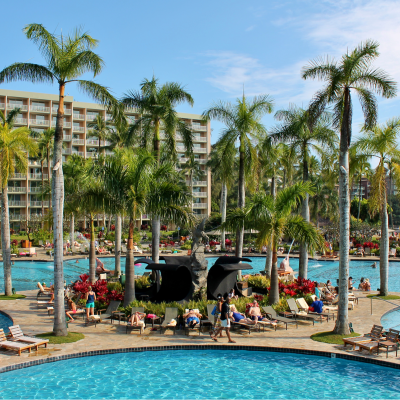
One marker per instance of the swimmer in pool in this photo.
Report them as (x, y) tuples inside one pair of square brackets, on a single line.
[(373, 265)]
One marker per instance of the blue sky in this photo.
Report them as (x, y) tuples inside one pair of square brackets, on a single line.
[(213, 47)]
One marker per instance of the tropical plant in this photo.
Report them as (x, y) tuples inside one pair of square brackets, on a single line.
[(305, 132), (14, 145), (68, 58), (352, 73), (156, 104), (100, 129), (274, 219), (382, 142), (243, 124)]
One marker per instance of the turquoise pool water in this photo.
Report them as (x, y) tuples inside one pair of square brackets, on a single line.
[(202, 374), (391, 319), (5, 322), (26, 274)]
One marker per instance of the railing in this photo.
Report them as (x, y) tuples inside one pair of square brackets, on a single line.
[(199, 194), (199, 183), (79, 153), (198, 128), (35, 189), (131, 110), (38, 176), (67, 138), (78, 141), (180, 148), (22, 107), (78, 129), (40, 109), (202, 161), (42, 122), (2, 106), (16, 203), (200, 205), (79, 116), (199, 150), (66, 151), (93, 142), (201, 215), (19, 176), (36, 203), (66, 124), (67, 111), (17, 217), (199, 139), (91, 117), (21, 121), (91, 154), (16, 189), (183, 160)]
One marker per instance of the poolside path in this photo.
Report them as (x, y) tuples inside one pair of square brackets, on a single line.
[(112, 336)]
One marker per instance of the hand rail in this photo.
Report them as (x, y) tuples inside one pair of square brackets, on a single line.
[(387, 301)]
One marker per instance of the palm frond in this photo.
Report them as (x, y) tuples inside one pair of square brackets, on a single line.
[(26, 72)]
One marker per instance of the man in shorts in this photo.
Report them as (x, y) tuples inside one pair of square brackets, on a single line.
[(225, 320)]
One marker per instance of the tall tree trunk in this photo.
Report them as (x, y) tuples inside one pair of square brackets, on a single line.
[(305, 213), (342, 321), (6, 241), (92, 252), (155, 238), (57, 190), (130, 267), (359, 199), (269, 255), (118, 230), (274, 291), (42, 171), (48, 171), (384, 249), (241, 203), (72, 229), (223, 213)]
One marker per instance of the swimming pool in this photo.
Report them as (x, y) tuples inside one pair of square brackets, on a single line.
[(5, 322), (391, 319), (199, 374), (26, 274)]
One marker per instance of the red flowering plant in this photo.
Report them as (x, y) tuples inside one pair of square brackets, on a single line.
[(164, 227), (14, 242), (112, 227), (87, 235), (371, 245), (299, 288), (144, 227)]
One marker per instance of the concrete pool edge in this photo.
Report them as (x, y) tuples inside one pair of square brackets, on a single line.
[(326, 354)]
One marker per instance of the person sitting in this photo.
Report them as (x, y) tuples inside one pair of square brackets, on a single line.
[(317, 306), (350, 283), (102, 250), (51, 294), (236, 316), (232, 295), (192, 318), (135, 318), (100, 268), (367, 285), (72, 310), (284, 266), (255, 313), (361, 285)]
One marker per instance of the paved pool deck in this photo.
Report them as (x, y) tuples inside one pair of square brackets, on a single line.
[(32, 320)]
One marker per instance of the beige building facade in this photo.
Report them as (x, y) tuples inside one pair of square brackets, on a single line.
[(38, 111)]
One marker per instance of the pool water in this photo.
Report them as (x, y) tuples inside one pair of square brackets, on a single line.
[(5, 322), (199, 374), (391, 319), (26, 274)]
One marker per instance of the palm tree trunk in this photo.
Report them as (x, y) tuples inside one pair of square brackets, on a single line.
[(342, 322), (130, 267), (274, 290), (359, 200), (155, 238), (223, 213), (57, 190), (384, 249), (269, 255), (118, 223), (42, 171), (92, 252), (6, 241), (305, 213), (72, 229), (48, 174), (241, 204)]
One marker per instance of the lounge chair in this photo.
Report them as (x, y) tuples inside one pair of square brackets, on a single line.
[(271, 313), (123, 248), (171, 314), (32, 252), (392, 340), (375, 334), (42, 291), (111, 309), (209, 317), (303, 306), (197, 327), (16, 334), (137, 250), (392, 252), (9, 345), (142, 325), (367, 251), (302, 314)]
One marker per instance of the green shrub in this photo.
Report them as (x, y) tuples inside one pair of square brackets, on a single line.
[(398, 250), (258, 283), (110, 236), (142, 283), (351, 252), (187, 245), (115, 286)]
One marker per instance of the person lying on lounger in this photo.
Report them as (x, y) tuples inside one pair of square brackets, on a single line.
[(136, 318), (255, 313), (236, 316), (192, 318), (100, 268)]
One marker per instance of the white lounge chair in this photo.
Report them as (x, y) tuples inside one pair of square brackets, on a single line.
[(17, 334), (137, 250), (9, 345)]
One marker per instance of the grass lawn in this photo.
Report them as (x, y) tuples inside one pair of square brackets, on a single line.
[(19, 237), (72, 337), (389, 297), (330, 337), (12, 297)]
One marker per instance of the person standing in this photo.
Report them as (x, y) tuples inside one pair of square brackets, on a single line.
[(90, 299), (225, 320)]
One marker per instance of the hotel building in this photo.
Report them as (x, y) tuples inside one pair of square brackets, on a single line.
[(39, 111)]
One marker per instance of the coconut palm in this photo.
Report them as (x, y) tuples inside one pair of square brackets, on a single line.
[(156, 104), (14, 145), (243, 124), (352, 73), (305, 133), (382, 142), (222, 162), (68, 58), (274, 219), (100, 129)]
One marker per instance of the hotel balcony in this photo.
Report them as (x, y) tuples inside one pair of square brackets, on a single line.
[(66, 124), (79, 142), (197, 183), (39, 203), (17, 217), (2, 106), (67, 111), (16, 189), (90, 117), (38, 176), (198, 128), (200, 205), (91, 154), (78, 129), (92, 142), (67, 138), (200, 139), (66, 151), (22, 107), (41, 122), (18, 176), (16, 203), (41, 109), (199, 194), (35, 189), (79, 153), (80, 117), (21, 121), (199, 150)]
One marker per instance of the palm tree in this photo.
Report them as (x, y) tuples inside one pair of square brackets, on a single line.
[(14, 145), (305, 133), (274, 219), (243, 124), (382, 142), (68, 58), (352, 73), (156, 104), (101, 130), (222, 162)]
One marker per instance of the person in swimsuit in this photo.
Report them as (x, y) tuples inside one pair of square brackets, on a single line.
[(71, 310), (100, 268), (192, 318), (255, 313), (90, 299), (239, 317), (136, 317)]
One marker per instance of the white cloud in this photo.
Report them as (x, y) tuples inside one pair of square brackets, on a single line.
[(250, 28)]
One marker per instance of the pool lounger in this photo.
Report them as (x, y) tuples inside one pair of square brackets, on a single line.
[(17, 334), (375, 334), (9, 345), (141, 327), (271, 313)]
